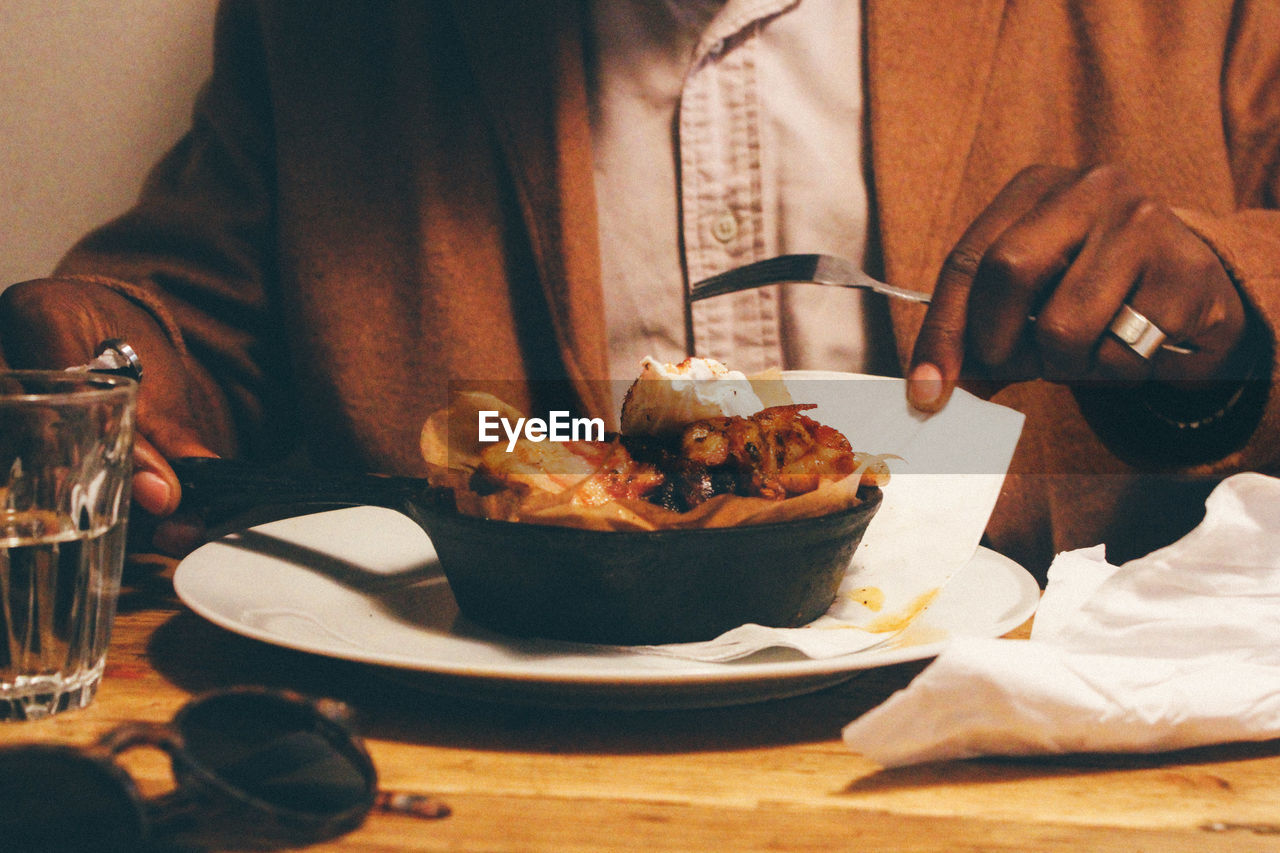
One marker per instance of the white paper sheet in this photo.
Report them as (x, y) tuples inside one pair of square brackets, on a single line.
[(949, 469)]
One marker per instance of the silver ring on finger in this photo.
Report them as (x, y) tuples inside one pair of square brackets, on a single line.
[(1137, 332), (115, 357)]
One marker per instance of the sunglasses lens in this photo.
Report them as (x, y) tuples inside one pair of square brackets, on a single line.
[(54, 798), (279, 751)]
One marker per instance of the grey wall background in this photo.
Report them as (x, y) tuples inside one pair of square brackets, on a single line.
[(91, 93)]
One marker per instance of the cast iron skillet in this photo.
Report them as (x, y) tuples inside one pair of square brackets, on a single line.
[(583, 585)]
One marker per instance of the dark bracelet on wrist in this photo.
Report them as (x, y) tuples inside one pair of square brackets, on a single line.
[(1204, 418), (1205, 404)]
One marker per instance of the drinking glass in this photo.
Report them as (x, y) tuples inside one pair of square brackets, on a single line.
[(66, 443)]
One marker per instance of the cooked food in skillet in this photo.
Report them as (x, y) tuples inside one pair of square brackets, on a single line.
[(698, 448)]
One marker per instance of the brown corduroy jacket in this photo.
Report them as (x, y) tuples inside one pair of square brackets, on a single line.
[(378, 198)]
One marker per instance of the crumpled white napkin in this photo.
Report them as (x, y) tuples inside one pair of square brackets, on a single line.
[(1177, 649), (947, 472)]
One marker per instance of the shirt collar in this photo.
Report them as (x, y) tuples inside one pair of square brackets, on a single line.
[(733, 20)]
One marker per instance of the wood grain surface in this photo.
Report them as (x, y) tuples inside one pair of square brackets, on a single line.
[(769, 776)]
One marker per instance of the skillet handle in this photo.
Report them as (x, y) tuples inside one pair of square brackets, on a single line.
[(222, 484)]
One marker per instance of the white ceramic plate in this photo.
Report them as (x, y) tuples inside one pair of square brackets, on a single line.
[(363, 584)]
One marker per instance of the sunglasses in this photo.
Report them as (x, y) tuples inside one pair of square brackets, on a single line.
[(253, 769)]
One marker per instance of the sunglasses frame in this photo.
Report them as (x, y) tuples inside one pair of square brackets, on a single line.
[(203, 806), (133, 829)]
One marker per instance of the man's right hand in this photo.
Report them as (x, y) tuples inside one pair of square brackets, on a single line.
[(53, 323)]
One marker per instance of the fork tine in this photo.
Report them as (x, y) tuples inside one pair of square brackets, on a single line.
[(784, 268)]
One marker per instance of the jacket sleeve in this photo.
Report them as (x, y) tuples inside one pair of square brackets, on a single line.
[(1248, 244), (197, 249)]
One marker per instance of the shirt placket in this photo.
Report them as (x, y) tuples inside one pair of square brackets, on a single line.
[(722, 200)]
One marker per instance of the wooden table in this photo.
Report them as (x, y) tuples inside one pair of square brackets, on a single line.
[(772, 776)]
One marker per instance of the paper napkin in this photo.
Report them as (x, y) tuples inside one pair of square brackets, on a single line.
[(947, 471), (1177, 649)]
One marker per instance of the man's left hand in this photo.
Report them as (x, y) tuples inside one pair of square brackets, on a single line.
[(1034, 285)]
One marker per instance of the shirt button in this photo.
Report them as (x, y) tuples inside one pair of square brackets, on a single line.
[(725, 228)]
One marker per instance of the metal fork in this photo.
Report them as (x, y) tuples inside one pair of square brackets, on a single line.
[(817, 269), (837, 272)]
